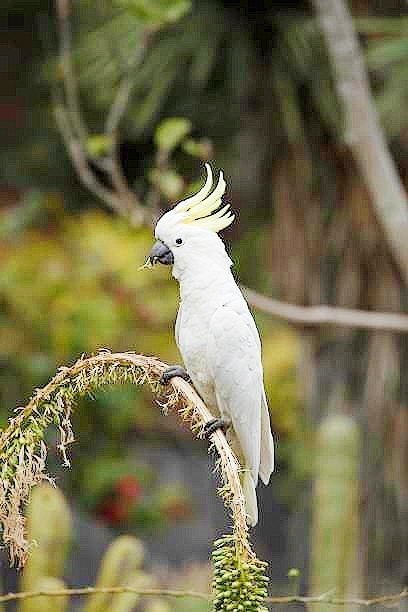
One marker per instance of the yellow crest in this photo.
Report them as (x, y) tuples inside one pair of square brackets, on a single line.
[(203, 208)]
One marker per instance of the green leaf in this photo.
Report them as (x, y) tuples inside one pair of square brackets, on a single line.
[(381, 55), (171, 132), (203, 149), (157, 12), (98, 145), (170, 183), (381, 25)]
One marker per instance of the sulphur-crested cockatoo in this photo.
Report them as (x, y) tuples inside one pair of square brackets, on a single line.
[(215, 332)]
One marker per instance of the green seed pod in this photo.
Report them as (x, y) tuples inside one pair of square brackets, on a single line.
[(237, 582)]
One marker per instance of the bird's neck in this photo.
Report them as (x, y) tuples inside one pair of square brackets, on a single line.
[(205, 279)]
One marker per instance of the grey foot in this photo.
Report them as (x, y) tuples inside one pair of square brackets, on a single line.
[(213, 425), (171, 372)]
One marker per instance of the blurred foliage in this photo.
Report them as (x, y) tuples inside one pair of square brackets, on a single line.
[(197, 63), (171, 132), (156, 12), (385, 43), (205, 52)]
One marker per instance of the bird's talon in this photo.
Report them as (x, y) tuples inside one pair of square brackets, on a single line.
[(213, 425), (171, 372)]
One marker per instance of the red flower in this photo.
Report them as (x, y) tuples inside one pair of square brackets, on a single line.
[(113, 511), (128, 487)]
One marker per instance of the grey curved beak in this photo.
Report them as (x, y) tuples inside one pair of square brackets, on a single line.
[(161, 253)]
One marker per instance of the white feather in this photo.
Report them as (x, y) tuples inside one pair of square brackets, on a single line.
[(185, 205), (251, 504)]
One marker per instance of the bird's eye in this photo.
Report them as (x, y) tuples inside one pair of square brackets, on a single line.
[(179, 241)]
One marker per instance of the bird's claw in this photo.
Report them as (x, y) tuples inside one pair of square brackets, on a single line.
[(171, 372), (212, 426)]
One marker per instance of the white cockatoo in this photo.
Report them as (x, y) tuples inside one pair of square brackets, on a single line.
[(215, 332)]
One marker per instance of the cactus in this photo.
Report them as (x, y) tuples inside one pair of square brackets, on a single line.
[(119, 567), (158, 605), (335, 507), (49, 527), (44, 603)]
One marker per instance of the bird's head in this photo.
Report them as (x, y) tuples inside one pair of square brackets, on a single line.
[(189, 230)]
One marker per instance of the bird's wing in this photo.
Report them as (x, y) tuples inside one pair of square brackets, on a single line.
[(177, 325), (235, 361), (267, 459), (241, 307), (267, 464)]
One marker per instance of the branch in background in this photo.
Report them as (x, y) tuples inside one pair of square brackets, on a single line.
[(69, 81), (69, 121), (124, 91), (328, 315), (363, 132), (124, 200), (326, 598), (119, 105), (79, 159)]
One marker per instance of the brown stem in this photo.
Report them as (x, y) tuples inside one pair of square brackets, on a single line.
[(314, 316)]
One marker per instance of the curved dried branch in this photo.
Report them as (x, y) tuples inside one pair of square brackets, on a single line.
[(23, 451)]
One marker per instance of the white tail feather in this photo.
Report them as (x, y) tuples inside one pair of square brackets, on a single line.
[(267, 462), (251, 504)]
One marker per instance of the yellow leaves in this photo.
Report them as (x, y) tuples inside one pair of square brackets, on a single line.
[(80, 289), (280, 349), (169, 183), (171, 132), (80, 321), (31, 274), (156, 12), (98, 145)]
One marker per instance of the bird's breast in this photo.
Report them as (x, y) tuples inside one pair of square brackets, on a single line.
[(192, 343)]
